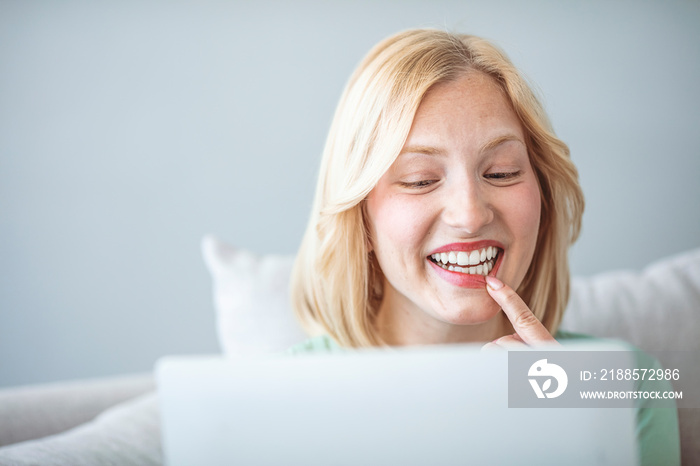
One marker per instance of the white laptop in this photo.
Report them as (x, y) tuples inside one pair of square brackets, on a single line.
[(442, 405)]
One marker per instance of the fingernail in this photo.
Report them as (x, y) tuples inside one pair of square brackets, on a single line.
[(494, 283)]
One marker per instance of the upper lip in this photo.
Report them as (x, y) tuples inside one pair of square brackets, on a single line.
[(467, 246)]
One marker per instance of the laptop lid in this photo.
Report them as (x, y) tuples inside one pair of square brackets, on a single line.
[(438, 405)]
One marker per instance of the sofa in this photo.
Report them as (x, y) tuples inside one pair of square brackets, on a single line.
[(115, 421)]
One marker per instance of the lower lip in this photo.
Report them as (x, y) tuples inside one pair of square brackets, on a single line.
[(465, 280)]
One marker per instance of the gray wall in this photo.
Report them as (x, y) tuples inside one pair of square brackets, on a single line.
[(128, 130)]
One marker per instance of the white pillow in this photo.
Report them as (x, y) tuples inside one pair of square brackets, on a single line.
[(251, 299), (655, 309)]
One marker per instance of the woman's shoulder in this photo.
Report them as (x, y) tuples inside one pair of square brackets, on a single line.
[(564, 336), (318, 344)]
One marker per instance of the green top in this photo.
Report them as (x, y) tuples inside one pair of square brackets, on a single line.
[(657, 428)]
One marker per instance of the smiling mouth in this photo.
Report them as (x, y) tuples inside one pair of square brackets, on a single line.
[(476, 262)]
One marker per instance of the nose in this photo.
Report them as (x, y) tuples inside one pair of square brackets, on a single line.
[(467, 208)]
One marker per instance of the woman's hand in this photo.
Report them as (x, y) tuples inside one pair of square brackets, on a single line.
[(529, 331)]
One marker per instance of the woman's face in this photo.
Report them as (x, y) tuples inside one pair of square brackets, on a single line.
[(460, 201)]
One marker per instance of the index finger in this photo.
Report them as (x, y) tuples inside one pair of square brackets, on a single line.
[(524, 321)]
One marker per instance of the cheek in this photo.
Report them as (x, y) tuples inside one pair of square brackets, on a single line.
[(525, 210), (397, 225)]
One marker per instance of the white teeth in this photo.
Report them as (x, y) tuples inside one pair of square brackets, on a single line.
[(481, 269), (477, 262), (474, 258), (462, 258)]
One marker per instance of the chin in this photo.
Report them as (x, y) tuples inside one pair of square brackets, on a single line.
[(475, 314)]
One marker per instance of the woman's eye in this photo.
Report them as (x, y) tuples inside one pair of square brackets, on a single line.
[(417, 184), (502, 176)]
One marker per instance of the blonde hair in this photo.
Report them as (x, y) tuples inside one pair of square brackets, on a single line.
[(336, 282)]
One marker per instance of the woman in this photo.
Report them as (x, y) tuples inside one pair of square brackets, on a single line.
[(340, 280), (444, 211)]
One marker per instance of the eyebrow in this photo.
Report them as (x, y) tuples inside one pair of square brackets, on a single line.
[(431, 150), (500, 140), (422, 150)]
